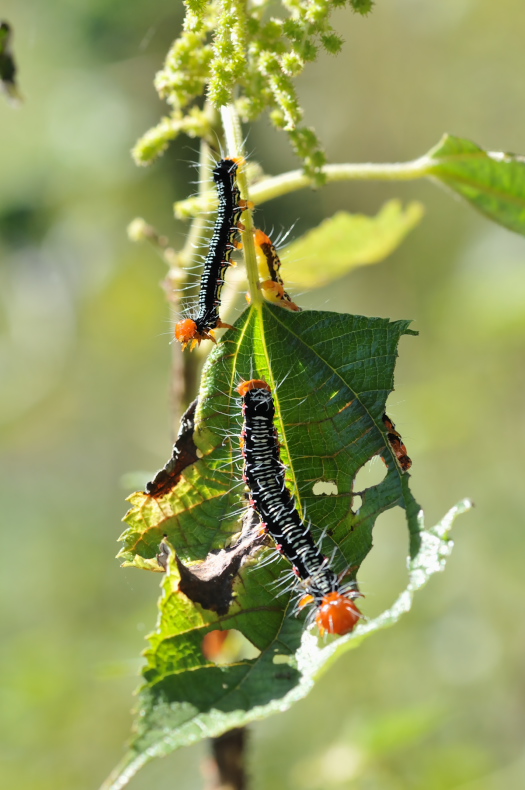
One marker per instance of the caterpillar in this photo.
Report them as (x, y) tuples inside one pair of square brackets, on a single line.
[(194, 330), (396, 442), (336, 612), (269, 264)]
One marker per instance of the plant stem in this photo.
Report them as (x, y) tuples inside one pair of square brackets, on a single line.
[(227, 767), (184, 377), (235, 147), (188, 253), (226, 770), (275, 186)]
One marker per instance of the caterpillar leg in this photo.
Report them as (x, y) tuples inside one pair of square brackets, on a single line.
[(222, 325), (306, 600)]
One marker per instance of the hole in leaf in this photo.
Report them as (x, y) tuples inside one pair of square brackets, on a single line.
[(325, 488), (282, 659), (371, 474), (383, 575), (228, 647)]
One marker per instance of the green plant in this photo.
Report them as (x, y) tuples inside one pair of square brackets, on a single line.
[(245, 61), (8, 69)]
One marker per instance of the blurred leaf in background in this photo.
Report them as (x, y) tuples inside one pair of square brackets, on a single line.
[(346, 241), (7, 64)]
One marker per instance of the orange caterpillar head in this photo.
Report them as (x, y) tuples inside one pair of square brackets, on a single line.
[(261, 238), (186, 330), (239, 160), (253, 384), (337, 614)]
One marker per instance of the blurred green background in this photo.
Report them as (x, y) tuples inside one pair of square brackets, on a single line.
[(435, 703)]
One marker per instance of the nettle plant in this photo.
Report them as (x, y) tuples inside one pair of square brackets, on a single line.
[(330, 375)]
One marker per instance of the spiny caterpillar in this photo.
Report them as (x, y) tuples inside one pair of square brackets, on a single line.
[(269, 264), (193, 330), (396, 442), (269, 496)]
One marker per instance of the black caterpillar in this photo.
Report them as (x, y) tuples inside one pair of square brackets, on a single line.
[(264, 475), (193, 330)]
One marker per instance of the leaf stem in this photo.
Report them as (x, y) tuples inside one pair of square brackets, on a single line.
[(235, 147), (276, 186), (187, 254), (184, 378)]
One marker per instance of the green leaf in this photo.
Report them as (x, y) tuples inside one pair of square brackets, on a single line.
[(494, 183), (331, 376), (345, 241)]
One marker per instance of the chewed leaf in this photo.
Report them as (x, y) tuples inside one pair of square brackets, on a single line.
[(347, 241), (166, 723), (331, 375), (494, 183)]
